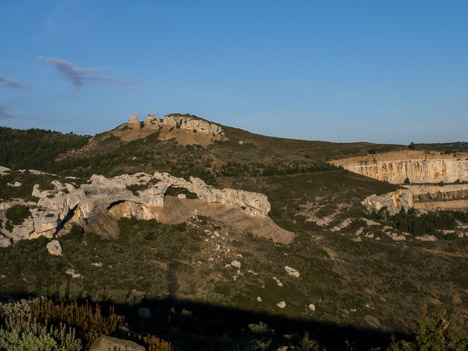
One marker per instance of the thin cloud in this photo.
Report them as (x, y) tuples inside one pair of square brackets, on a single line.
[(11, 83), (4, 114), (81, 76)]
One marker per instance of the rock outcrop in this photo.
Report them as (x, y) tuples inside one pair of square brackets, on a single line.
[(418, 167), (423, 197), (142, 194), (106, 343), (184, 128), (54, 248)]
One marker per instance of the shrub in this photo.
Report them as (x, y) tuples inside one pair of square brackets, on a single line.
[(91, 238), (22, 332), (88, 321), (76, 232), (434, 333), (17, 214)]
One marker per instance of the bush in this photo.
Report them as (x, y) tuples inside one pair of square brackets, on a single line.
[(434, 333), (17, 214), (76, 232), (91, 238), (21, 332)]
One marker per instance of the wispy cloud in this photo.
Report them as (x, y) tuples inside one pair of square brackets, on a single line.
[(4, 114), (11, 83), (81, 76)]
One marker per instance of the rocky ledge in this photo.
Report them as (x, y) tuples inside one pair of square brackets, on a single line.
[(66, 203), (414, 166), (423, 197)]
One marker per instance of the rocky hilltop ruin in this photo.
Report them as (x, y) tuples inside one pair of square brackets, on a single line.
[(140, 195), (185, 129), (420, 167)]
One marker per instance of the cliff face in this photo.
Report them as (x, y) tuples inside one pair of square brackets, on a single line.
[(417, 166), (423, 197)]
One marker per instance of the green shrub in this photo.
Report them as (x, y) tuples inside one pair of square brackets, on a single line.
[(21, 332), (76, 232), (17, 214), (91, 238), (434, 333)]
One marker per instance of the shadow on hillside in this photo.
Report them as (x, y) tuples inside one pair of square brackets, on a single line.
[(190, 325)]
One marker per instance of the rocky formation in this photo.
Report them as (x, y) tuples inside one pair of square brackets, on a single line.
[(184, 128), (54, 248), (423, 197), (418, 167), (106, 343), (142, 195)]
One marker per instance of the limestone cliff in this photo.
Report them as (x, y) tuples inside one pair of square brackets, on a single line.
[(418, 167), (422, 197)]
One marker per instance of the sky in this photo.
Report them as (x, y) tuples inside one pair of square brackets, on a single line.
[(379, 71)]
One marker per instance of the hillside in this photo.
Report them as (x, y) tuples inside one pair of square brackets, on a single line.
[(266, 230)]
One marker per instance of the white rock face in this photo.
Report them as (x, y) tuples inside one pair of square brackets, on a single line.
[(292, 272), (14, 185), (65, 203), (424, 197), (426, 237), (191, 123), (417, 166), (54, 248)]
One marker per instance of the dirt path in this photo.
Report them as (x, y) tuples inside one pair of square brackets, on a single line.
[(443, 253)]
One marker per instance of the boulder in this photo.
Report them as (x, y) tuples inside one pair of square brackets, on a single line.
[(108, 343), (292, 272), (54, 248), (281, 304), (4, 242)]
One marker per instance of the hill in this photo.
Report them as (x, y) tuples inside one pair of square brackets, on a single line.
[(346, 273)]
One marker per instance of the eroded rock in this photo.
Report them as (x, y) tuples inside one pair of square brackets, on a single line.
[(106, 343), (292, 272), (54, 248)]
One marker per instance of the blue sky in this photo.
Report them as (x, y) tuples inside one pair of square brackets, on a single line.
[(380, 71)]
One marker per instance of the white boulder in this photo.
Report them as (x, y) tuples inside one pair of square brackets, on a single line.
[(54, 248)]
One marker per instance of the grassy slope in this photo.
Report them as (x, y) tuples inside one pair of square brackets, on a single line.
[(391, 281)]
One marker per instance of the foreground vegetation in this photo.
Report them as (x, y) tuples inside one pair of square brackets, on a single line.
[(39, 324)]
